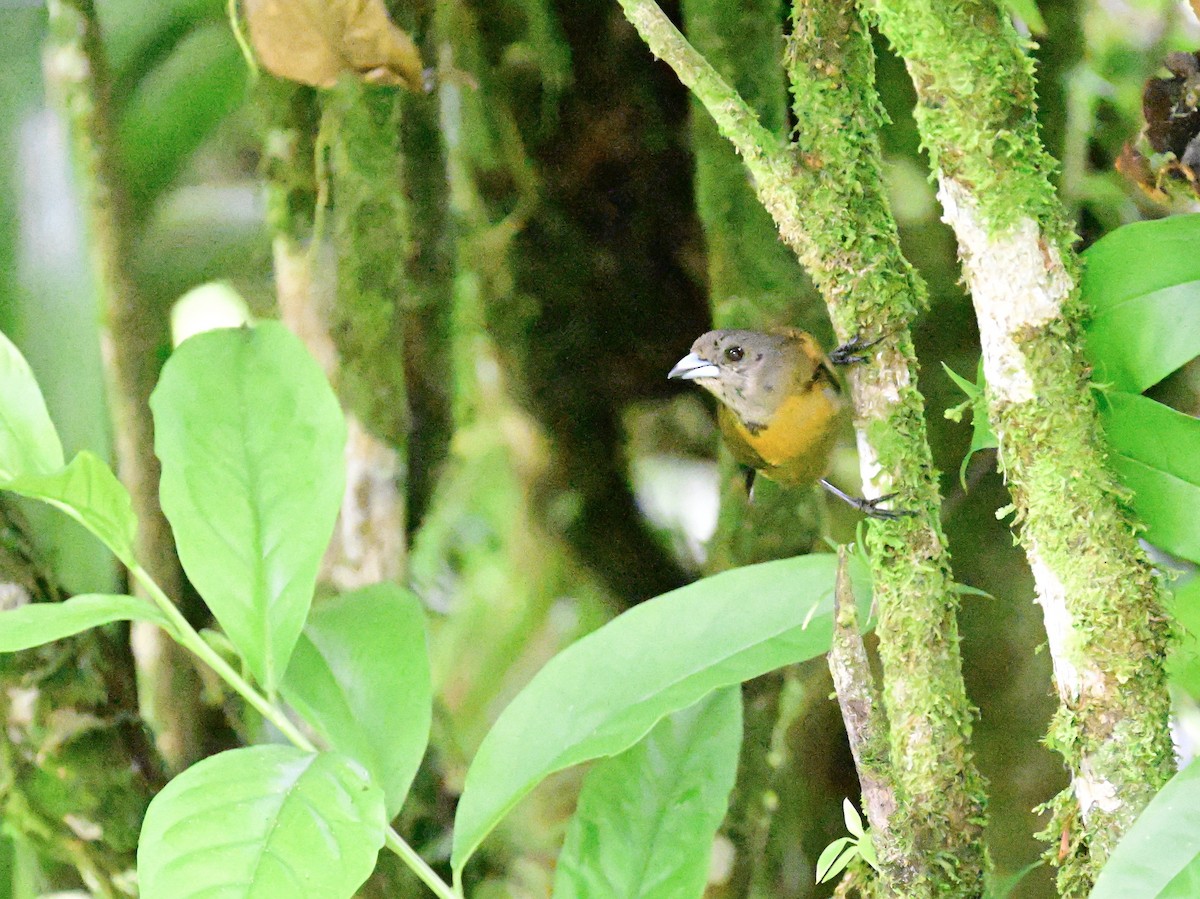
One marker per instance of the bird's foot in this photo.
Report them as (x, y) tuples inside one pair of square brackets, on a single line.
[(869, 507), (850, 353)]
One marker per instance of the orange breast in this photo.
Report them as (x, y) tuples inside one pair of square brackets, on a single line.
[(795, 445)]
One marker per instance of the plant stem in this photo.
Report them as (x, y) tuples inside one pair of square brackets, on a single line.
[(132, 336), (418, 865), (187, 637)]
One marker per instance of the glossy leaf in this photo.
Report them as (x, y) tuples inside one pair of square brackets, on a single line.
[(602, 694), (1142, 283), (261, 823), (1162, 848), (89, 492), (251, 437), (646, 818), (853, 820), (360, 677), (43, 622), (1156, 452), (28, 442)]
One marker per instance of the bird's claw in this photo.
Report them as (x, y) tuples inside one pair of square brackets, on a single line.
[(870, 508), (850, 353)]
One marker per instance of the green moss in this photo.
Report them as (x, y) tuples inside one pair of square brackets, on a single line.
[(978, 107), (371, 234), (976, 114), (871, 289)]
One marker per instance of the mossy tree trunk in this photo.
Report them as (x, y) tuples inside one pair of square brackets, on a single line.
[(1102, 603), (826, 196)]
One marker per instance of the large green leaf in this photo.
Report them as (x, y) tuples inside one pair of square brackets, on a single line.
[(1159, 854), (177, 106), (262, 823), (89, 492), (139, 36), (36, 623), (602, 694), (1156, 452), (360, 676), (28, 442), (1183, 662), (646, 818), (1142, 283), (251, 437)]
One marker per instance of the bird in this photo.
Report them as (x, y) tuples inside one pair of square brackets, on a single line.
[(781, 404)]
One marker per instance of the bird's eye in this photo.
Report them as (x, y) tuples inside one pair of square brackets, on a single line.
[(734, 354)]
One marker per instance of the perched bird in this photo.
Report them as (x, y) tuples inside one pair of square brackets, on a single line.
[(781, 403)]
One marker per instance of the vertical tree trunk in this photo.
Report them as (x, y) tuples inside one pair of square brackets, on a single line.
[(826, 197), (1105, 623)]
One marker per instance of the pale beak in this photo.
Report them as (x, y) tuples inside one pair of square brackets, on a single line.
[(693, 366)]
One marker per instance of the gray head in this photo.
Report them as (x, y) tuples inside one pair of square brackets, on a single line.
[(750, 371)]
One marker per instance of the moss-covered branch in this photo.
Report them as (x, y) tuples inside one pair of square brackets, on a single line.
[(351, 322), (826, 196), (1102, 604), (135, 339), (77, 768), (753, 280), (866, 728)]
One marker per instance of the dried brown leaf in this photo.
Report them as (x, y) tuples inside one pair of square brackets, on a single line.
[(317, 41), (1136, 167)]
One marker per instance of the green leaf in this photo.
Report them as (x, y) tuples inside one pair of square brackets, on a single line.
[(981, 430), (89, 492), (646, 818), (1027, 11), (1183, 660), (866, 848), (602, 694), (1142, 283), (1002, 887), (360, 677), (261, 823), (853, 821), (1156, 453), (834, 858), (42, 622), (251, 437), (1162, 844), (1185, 884), (177, 106), (28, 442)]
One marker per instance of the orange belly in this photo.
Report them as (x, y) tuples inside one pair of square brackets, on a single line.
[(795, 446)]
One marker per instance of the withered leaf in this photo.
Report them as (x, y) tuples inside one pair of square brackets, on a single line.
[(1136, 167), (1171, 107), (317, 41)]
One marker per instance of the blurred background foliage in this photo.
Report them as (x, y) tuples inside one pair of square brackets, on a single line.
[(557, 265)]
